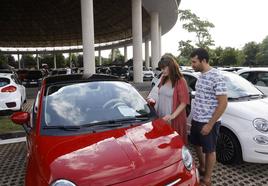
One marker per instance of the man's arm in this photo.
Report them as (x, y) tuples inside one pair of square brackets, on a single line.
[(222, 104)]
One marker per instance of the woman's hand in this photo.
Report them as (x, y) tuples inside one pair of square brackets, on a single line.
[(151, 101), (167, 118)]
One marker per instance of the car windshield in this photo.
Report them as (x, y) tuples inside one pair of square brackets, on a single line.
[(92, 102), (239, 87)]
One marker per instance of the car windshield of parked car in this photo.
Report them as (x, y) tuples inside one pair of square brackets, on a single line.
[(92, 102), (239, 87)]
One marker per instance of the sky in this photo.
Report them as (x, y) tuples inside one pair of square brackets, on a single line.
[(237, 22)]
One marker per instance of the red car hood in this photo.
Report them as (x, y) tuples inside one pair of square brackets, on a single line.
[(110, 157)]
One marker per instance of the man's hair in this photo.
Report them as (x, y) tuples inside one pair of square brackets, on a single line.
[(201, 54)]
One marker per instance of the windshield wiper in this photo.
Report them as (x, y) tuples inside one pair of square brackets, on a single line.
[(63, 127), (251, 95), (115, 122), (107, 124)]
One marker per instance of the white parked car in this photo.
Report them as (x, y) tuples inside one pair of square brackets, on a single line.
[(12, 92), (148, 74), (244, 129), (257, 76)]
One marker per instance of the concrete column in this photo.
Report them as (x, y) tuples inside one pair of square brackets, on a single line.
[(100, 62), (147, 56), (112, 55), (19, 61), (37, 61), (137, 40), (55, 60), (160, 41), (155, 38), (88, 36), (70, 60), (125, 54)]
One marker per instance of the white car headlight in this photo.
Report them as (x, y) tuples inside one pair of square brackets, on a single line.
[(261, 124), (187, 158), (62, 183)]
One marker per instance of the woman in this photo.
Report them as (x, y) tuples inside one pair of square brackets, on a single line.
[(172, 96)]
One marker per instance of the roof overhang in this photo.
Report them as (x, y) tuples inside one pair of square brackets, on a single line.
[(50, 23)]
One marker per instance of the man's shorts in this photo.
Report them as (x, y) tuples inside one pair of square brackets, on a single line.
[(207, 142)]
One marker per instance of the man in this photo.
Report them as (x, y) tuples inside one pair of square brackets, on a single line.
[(208, 106)]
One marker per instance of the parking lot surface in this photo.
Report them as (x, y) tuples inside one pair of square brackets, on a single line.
[(12, 171)]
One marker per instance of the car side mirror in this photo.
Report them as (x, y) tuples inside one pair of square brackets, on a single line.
[(20, 118)]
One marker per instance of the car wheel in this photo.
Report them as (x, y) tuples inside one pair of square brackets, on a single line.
[(228, 148)]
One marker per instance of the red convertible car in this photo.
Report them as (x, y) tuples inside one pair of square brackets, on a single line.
[(98, 130)]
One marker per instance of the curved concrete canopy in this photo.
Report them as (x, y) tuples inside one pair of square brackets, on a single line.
[(167, 9), (50, 23)]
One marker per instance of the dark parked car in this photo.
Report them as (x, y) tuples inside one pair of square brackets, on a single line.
[(121, 72), (103, 70), (32, 78)]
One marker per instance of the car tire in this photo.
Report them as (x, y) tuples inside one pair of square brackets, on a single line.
[(228, 148)]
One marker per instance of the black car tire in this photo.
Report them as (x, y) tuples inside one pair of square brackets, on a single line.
[(228, 148)]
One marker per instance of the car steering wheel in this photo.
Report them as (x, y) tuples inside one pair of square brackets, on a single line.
[(113, 103)]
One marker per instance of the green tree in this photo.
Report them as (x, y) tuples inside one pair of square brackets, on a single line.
[(215, 56), (262, 56), (117, 55), (185, 48), (240, 58), (49, 60), (194, 24), (3, 60), (74, 60), (28, 61), (251, 50), (80, 60), (229, 57)]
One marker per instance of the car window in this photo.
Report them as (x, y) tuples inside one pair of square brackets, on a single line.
[(239, 87), (84, 103), (245, 75), (262, 79), (4, 82), (191, 81)]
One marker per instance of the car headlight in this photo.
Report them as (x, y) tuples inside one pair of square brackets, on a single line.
[(261, 124), (187, 158), (62, 183)]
